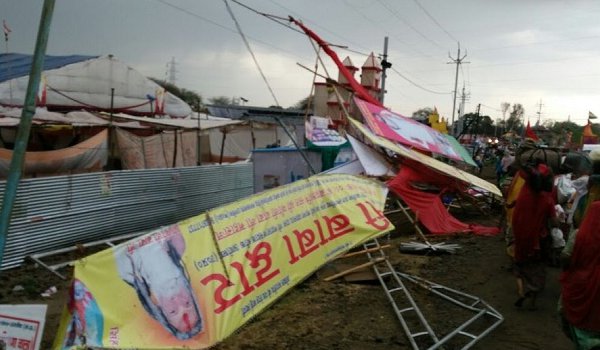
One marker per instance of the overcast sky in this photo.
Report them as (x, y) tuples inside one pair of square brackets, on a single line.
[(519, 51)]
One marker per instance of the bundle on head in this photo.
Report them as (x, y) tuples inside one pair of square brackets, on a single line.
[(577, 163), (527, 155)]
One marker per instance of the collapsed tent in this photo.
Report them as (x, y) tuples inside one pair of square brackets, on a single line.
[(428, 206), (87, 82), (419, 173)]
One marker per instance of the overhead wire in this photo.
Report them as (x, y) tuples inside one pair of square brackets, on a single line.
[(361, 13), (413, 28), (417, 85), (296, 14), (239, 28), (200, 17), (435, 21)]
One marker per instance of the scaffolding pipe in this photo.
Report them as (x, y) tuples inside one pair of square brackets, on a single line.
[(20, 148)]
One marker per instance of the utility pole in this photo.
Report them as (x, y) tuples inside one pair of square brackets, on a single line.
[(456, 61), (385, 65), (539, 112), (18, 157), (461, 111), (478, 120), (172, 71)]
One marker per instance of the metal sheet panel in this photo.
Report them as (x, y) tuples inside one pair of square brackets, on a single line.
[(57, 212)]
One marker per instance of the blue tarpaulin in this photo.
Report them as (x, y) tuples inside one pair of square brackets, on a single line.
[(15, 65)]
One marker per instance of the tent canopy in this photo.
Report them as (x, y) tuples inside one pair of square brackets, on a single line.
[(87, 82), (15, 65)]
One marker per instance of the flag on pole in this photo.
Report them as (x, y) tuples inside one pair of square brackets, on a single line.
[(529, 132), (591, 115), (6, 29)]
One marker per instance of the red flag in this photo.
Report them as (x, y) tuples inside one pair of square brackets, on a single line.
[(358, 89), (529, 133)]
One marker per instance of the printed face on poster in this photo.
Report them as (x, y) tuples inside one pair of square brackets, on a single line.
[(404, 130), (192, 284)]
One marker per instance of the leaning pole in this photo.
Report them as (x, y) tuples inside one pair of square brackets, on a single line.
[(18, 157)]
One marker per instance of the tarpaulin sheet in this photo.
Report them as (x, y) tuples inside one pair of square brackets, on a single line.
[(18, 65), (90, 155), (464, 154), (428, 207), (157, 151), (419, 159)]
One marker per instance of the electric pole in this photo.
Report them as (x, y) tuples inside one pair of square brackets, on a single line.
[(172, 71), (456, 61), (384, 65), (539, 112), (461, 111)]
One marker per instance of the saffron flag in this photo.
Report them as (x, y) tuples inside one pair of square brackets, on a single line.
[(529, 132), (588, 136)]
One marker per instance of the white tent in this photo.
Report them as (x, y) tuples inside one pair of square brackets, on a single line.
[(87, 82)]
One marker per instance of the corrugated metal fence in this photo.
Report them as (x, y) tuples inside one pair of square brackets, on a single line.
[(55, 212)]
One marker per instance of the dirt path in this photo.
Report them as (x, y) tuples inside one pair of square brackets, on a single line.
[(340, 315)]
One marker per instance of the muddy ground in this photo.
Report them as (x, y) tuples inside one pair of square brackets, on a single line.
[(343, 315)]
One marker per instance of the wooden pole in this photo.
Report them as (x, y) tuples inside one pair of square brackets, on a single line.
[(364, 251), (355, 268)]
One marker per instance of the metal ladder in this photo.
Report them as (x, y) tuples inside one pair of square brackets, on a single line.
[(391, 281), (395, 290)]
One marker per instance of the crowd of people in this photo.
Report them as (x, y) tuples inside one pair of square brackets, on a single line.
[(555, 212)]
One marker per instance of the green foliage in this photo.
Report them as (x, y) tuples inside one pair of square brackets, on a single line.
[(478, 124), (422, 114), (302, 105), (220, 100), (515, 120), (190, 97)]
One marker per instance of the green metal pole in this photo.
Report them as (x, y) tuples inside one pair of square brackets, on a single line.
[(18, 158)]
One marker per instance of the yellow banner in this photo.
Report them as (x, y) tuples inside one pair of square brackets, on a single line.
[(192, 284)]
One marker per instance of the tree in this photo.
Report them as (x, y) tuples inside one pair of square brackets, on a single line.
[(515, 121), (302, 105), (478, 124), (504, 106), (422, 114), (190, 97), (220, 100), (565, 131)]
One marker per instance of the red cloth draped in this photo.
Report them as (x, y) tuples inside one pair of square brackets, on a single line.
[(428, 206), (581, 280), (358, 89), (530, 221)]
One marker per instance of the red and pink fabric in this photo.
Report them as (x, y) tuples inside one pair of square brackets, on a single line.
[(428, 207)]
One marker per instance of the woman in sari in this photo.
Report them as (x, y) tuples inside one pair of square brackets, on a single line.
[(533, 211), (579, 306)]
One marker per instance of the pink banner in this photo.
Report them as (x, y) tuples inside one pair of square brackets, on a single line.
[(404, 130)]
